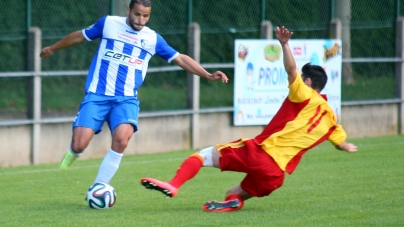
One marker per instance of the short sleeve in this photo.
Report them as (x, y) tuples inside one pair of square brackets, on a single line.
[(338, 135), (164, 50), (94, 31), (298, 91)]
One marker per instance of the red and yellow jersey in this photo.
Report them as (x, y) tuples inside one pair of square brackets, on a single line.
[(304, 120)]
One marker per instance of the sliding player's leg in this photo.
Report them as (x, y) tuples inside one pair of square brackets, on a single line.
[(208, 157)]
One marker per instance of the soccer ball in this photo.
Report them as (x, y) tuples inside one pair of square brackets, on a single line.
[(101, 196)]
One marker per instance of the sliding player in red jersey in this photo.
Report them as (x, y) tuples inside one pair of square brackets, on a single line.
[(304, 121)]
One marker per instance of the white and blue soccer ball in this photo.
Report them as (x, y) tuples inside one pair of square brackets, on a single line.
[(101, 196)]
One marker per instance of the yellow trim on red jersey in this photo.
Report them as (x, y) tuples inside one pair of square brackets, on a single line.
[(299, 131)]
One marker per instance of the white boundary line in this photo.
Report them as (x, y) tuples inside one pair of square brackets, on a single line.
[(155, 161)]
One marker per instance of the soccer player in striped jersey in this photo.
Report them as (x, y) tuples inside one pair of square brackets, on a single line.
[(116, 72), (304, 120)]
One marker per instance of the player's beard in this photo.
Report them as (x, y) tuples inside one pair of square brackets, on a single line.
[(131, 24)]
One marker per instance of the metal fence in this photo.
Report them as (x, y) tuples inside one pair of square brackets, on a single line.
[(368, 29)]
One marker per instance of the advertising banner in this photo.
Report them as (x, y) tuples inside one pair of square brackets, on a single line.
[(260, 79)]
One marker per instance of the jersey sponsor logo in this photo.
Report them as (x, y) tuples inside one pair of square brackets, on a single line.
[(131, 32), (122, 58), (128, 38)]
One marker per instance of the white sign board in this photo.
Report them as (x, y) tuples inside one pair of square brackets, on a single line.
[(260, 79)]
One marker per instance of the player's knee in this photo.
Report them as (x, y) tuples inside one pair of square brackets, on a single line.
[(271, 186), (206, 156), (80, 140), (119, 144), (78, 146)]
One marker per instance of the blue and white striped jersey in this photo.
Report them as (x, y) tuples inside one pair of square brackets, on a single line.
[(120, 64)]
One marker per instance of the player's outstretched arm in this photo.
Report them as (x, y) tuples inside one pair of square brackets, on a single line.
[(190, 65), (348, 147), (283, 35), (69, 40)]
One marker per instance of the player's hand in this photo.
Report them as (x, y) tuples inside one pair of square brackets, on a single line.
[(46, 52), (283, 34), (218, 75), (348, 147)]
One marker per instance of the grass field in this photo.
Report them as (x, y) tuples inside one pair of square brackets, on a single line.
[(329, 188)]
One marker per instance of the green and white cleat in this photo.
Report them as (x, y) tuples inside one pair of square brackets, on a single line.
[(67, 161)]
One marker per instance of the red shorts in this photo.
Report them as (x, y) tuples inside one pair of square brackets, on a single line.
[(263, 174)]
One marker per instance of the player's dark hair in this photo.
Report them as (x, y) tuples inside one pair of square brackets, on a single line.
[(145, 3), (317, 75)]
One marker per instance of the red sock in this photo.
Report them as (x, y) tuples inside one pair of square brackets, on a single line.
[(188, 169), (235, 196)]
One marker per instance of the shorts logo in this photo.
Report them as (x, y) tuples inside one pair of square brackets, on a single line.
[(133, 121), (75, 118)]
